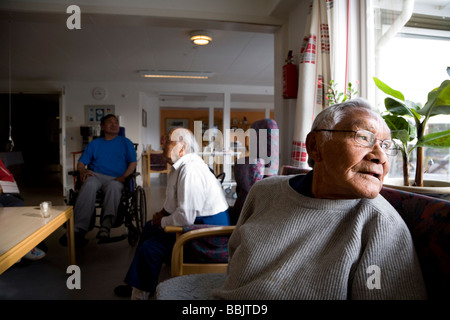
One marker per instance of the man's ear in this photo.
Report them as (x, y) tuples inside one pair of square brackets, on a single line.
[(182, 152), (312, 146)]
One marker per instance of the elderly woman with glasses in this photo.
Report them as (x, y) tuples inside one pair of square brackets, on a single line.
[(329, 234)]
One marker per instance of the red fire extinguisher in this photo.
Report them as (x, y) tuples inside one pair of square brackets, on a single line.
[(290, 79)]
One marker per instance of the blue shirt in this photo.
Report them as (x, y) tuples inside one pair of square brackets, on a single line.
[(110, 157)]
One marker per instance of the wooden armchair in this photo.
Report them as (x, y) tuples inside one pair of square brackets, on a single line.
[(206, 249)]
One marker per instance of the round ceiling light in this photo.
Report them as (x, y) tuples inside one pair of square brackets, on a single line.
[(201, 38)]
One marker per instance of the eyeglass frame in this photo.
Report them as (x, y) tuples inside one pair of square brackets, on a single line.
[(390, 151)]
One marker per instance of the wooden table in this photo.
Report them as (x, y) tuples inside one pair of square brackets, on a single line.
[(23, 228)]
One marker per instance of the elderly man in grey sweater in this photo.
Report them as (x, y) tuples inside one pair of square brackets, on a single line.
[(329, 234)]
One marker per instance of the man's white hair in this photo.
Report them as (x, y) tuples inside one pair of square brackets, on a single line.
[(186, 138)]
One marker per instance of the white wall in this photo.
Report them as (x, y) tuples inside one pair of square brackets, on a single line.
[(150, 135)]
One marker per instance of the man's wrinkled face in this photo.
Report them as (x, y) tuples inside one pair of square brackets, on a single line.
[(345, 169)]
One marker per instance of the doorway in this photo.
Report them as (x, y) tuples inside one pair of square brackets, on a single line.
[(35, 133)]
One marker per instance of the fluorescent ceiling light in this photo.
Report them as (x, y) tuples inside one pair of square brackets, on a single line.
[(175, 74)]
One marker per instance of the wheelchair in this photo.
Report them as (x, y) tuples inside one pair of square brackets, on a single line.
[(132, 209)]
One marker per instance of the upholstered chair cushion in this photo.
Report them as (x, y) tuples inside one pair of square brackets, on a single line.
[(209, 249), (428, 220)]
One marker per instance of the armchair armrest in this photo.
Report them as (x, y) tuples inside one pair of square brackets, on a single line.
[(173, 229), (178, 266)]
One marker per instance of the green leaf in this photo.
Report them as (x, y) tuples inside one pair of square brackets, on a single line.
[(413, 105), (388, 90), (438, 101), (398, 108), (416, 115), (396, 122), (403, 137), (400, 128), (435, 140)]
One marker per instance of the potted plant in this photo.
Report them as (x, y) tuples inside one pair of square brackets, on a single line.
[(334, 96), (407, 121)]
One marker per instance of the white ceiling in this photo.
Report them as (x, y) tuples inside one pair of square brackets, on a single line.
[(118, 40), (114, 49)]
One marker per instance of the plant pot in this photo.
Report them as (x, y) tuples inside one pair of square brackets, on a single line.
[(432, 188)]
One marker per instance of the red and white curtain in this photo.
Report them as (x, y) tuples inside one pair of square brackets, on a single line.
[(314, 73)]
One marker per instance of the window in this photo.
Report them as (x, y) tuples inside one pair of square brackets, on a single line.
[(413, 60)]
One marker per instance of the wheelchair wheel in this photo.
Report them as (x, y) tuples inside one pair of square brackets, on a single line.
[(139, 216), (141, 208)]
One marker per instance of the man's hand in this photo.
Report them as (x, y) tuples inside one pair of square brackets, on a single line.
[(84, 174), (130, 169), (156, 221), (121, 179)]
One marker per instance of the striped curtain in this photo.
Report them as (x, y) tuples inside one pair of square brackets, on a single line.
[(314, 72)]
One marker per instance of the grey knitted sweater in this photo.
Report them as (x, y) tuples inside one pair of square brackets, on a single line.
[(289, 246)]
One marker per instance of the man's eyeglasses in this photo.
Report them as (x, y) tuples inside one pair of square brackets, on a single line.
[(368, 139)]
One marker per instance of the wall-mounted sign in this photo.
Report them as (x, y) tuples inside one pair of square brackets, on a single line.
[(94, 113)]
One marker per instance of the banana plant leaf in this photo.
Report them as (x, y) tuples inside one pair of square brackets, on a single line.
[(400, 128), (438, 101), (440, 140), (388, 90)]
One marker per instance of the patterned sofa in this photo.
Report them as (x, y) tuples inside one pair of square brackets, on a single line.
[(428, 220)]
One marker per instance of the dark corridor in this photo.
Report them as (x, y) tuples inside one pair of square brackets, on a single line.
[(35, 133)]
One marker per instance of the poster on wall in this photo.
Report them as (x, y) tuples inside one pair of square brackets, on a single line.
[(176, 123), (94, 113)]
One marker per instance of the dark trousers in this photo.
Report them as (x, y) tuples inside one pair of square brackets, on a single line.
[(154, 249), (10, 200)]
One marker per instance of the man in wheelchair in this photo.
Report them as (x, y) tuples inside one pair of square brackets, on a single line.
[(111, 159)]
